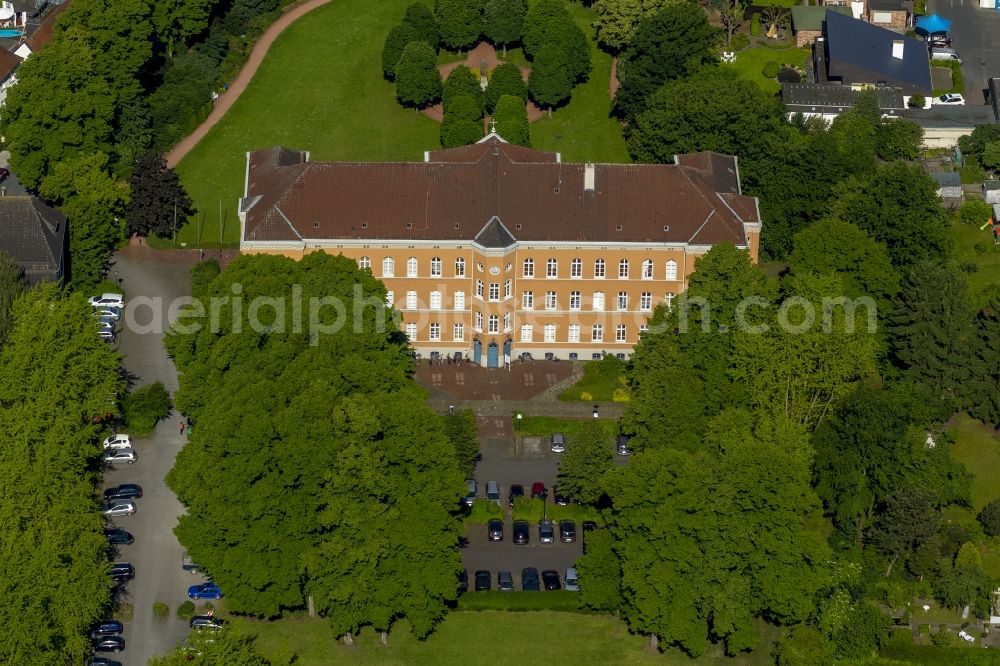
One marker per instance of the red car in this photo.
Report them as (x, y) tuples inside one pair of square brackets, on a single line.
[(538, 490)]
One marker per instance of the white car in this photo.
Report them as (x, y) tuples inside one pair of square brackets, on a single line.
[(116, 456), (118, 508), (953, 99), (109, 299), (118, 442), (108, 312)]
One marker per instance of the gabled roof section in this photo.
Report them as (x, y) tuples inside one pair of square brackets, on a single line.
[(33, 234), (861, 44), (8, 63), (492, 145), (495, 235)]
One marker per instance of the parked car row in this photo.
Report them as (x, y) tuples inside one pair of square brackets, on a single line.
[(118, 449), (521, 531), (538, 491), (531, 580), (108, 311)]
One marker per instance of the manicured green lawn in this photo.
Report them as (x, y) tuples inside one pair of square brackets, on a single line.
[(540, 426), (602, 380), (750, 62), (966, 237), (978, 448), (493, 637), (321, 89)]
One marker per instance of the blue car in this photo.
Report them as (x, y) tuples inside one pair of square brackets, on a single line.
[(207, 590)]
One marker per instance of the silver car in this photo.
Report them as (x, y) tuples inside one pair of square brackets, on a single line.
[(118, 456), (118, 508)]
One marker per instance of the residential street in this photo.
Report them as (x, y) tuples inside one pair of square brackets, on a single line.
[(974, 31), (156, 554)]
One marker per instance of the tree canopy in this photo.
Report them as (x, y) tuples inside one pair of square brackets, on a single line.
[(460, 21), (617, 19), (418, 82), (505, 80), (503, 21), (511, 119), (158, 198), (586, 461)]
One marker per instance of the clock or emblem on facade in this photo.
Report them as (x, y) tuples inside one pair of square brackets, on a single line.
[(494, 270)]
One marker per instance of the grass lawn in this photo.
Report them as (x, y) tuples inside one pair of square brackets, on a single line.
[(495, 637), (602, 380), (750, 62), (540, 426), (978, 449), (321, 89), (966, 237)]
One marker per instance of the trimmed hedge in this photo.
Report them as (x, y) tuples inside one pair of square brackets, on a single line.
[(519, 601), (144, 407)]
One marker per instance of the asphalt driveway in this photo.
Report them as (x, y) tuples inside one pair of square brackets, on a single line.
[(974, 32), (156, 554)]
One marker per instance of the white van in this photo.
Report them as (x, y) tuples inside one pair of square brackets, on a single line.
[(945, 54), (572, 581)]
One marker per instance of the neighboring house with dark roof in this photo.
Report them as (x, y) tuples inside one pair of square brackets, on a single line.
[(829, 100), (489, 245), (8, 63), (944, 124), (895, 15), (853, 51), (807, 22), (35, 236), (949, 184)]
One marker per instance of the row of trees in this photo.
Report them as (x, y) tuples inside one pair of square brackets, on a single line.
[(57, 380), (316, 472)]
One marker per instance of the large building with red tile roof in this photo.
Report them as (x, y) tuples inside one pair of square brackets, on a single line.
[(495, 249)]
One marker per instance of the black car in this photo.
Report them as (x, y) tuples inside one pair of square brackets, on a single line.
[(124, 491), (102, 661), (516, 490), (567, 531), (122, 571), (589, 526), (463, 581), (495, 527), (107, 628), (206, 622), (560, 498), (482, 580), (109, 644), (529, 579), (119, 537), (621, 445), (521, 532), (550, 579), (546, 532)]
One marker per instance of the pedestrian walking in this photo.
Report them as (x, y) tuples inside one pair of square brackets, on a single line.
[(180, 426)]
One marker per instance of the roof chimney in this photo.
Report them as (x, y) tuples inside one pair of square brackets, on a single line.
[(588, 177), (897, 49)]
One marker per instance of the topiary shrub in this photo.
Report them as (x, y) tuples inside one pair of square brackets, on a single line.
[(989, 518), (755, 25), (770, 69), (145, 406), (739, 42), (917, 101), (202, 275), (186, 610), (160, 609)]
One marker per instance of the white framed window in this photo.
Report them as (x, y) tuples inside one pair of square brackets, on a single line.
[(647, 269), (598, 301), (388, 267), (620, 332), (643, 328), (528, 300), (460, 267), (574, 300), (529, 268), (646, 301), (506, 321), (494, 291), (669, 299), (527, 333), (435, 300), (552, 268), (671, 270), (508, 286), (574, 333), (411, 300), (390, 298), (435, 332), (622, 300), (459, 300), (550, 300), (411, 267), (494, 324), (411, 332), (576, 268), (435, 266), (597, 333), (479, 288), (458, 332), (550, 333), (479, 321), (599, 269), (364, 262), (623, 269)]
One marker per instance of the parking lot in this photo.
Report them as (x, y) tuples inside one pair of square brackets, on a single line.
[(974, 31)]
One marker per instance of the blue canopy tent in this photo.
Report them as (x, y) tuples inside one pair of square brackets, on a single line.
[(932, 24)]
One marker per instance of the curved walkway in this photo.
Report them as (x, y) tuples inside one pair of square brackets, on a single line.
[(242, 80)]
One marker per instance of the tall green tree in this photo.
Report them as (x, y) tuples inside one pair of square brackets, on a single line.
[(216, 648), (457, 131), (617, 20), (460, 21), (158, 201), (418, 82), (668, 45), (505, 80), (983, 394), (511, 118), (551, 82), (423, 22), (460, 429), (12, 285), (462, 82), (503, 21), (549, 24), (586, 461), (177, 21), (908, 520), (57, 379), (395, 42)]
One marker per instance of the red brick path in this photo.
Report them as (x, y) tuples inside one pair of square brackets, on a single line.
[(473, 382)]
